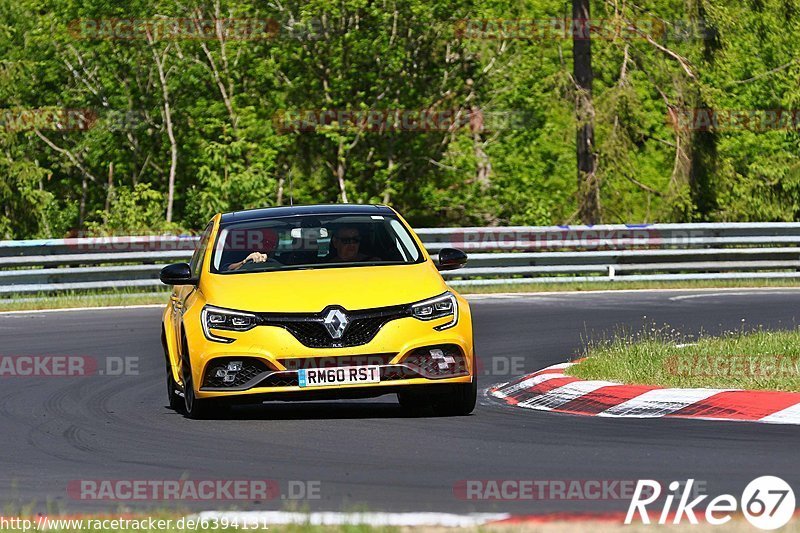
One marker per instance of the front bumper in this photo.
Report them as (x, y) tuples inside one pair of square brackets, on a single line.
[(395, 346)]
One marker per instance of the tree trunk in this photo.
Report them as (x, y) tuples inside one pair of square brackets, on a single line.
[(387, 186), (588, 186), (109, 188), (704, 157), (483, 172), (703, 164), (340, 171), (82, 205), (173, 144)]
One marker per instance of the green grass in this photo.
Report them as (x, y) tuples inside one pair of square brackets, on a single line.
[(760, 359), (67, 300)]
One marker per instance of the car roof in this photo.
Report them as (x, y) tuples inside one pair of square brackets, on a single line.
[(319, 209)]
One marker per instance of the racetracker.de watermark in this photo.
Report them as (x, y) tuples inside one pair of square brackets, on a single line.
[(585, 237), (733, 366), (34, 366), (558, 29), (727, 120), (90, 242), (394, 120), (194, 29), (46, 119), (15, 120), (547, 489), (192, 489)]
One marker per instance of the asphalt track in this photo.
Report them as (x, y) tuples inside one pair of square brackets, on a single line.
[(366, 454)]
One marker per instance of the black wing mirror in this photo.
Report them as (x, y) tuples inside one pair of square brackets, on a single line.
[(451, 259), (177, 274)]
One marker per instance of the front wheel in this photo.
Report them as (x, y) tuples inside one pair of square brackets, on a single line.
[(174, 398), (194, 407), (444, 400), (175, 401), (459, 401)]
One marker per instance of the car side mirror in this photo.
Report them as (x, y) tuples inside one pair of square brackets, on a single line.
[(177, 274), (451, 259)]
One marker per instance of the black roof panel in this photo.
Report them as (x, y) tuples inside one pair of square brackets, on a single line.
[(321, 209)]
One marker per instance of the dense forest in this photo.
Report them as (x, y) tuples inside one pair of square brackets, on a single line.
[(151, 116)]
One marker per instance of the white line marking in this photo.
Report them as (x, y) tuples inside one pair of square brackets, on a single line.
[(69, 309), (716, 290), (269, 518), (790, 415), (659, 402), (564, 394), (749, 292)]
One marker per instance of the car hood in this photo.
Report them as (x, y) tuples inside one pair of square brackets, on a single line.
[(310, 291)]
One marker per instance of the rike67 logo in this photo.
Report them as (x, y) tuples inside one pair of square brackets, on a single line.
[(767, 502)]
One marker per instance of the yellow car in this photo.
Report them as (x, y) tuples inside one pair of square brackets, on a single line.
[(316, 302)]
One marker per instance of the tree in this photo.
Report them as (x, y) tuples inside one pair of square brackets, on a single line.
[(588, 186)]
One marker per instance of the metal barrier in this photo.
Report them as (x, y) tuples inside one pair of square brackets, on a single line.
[(497, 255)]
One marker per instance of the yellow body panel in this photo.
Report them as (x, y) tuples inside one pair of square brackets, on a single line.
[(310, 291)]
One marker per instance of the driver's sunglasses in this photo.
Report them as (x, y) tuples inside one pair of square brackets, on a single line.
[(350, 240)]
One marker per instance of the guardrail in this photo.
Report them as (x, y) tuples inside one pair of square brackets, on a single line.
[(498, 255)]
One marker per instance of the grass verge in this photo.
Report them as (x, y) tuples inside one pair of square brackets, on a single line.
[(68, 300), (760, 359)]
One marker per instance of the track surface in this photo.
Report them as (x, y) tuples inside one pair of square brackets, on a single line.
[(366, 454)]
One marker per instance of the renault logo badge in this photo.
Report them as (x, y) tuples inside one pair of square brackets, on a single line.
[(336, 323)]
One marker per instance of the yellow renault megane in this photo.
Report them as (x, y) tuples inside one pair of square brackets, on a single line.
[(316, 302)]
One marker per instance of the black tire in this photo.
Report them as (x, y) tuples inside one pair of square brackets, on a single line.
[(175, 399), (176, 403), (194, 407), (414, 402), (441, 400), (459, 401)]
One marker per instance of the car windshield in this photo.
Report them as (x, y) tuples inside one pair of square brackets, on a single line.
[(313, 242)]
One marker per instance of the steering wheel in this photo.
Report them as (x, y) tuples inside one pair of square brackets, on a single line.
[(252, 265)]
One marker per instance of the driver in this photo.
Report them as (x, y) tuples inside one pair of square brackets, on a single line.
[(258, 241), (346, 242)]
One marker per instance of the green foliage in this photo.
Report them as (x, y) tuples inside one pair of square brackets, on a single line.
[(224, 99), (138, 211)]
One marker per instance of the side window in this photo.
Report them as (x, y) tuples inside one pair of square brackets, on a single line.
[(197, 258)]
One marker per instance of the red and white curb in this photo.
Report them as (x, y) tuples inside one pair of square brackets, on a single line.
[(550, 389)]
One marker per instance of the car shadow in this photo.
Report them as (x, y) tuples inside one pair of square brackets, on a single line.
[(320, 410)]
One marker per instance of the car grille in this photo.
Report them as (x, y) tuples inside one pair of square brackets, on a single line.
[(218, 375), (394, 373), (310, 330), (296, 363), (445, 360), (280, 379)]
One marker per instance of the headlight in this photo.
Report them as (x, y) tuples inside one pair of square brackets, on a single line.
[(225, 319), (438, 307)]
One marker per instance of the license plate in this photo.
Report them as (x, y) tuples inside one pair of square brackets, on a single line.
[(343, 375)]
